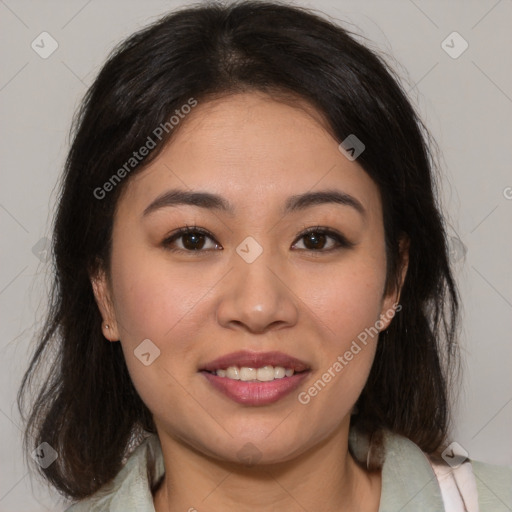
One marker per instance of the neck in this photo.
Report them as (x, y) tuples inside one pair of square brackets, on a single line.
[(325, 475)]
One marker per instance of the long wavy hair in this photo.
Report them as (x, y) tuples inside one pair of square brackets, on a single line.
[(85, 405)]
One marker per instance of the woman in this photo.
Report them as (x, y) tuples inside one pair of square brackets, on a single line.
[(253, 305)]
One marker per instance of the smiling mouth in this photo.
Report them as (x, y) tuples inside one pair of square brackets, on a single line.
[(266, 373), (255, 378), (248, 390)]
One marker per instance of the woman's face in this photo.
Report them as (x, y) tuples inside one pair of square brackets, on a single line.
[(254, 283)]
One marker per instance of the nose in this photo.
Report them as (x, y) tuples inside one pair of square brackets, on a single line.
[(257, 296)]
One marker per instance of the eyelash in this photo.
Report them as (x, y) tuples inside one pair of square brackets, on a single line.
[(343, 243)]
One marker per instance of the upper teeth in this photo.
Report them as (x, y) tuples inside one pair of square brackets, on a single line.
[(267, 373)]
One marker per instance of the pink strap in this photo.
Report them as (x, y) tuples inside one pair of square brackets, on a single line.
[(458, 486)]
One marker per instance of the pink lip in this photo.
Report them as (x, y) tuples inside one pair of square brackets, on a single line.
[(256, 393), (256, 360)]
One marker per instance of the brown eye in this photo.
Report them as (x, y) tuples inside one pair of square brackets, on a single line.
[(192, 239), (195, 239), (316, 238)]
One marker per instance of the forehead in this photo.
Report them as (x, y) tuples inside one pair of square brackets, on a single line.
[(252, 149)]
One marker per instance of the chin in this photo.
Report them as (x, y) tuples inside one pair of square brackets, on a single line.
[(258, 450)]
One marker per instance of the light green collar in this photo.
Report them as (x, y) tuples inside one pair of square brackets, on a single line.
[(408, 481)]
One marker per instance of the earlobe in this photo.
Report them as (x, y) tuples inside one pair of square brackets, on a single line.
[(103, 299)]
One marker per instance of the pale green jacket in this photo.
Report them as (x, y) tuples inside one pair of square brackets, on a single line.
[(409, 483)]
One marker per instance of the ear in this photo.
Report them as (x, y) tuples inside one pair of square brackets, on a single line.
[(390, 304), (102, 294)]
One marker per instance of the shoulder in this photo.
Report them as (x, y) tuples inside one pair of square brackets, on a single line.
[(494, 485), (413, 480), (131, 488), (408, 480), (409, 483)]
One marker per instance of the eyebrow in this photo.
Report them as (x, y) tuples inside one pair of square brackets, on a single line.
[(207, 200)]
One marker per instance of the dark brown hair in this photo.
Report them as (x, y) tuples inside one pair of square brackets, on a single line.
[(86, 406)]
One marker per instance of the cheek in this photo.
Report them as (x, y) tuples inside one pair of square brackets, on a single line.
[(346, 306), (156, 301), (346, 300), (152, 297), (159, 303)]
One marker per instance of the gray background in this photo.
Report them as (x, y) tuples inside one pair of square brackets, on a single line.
[(465, 101)]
